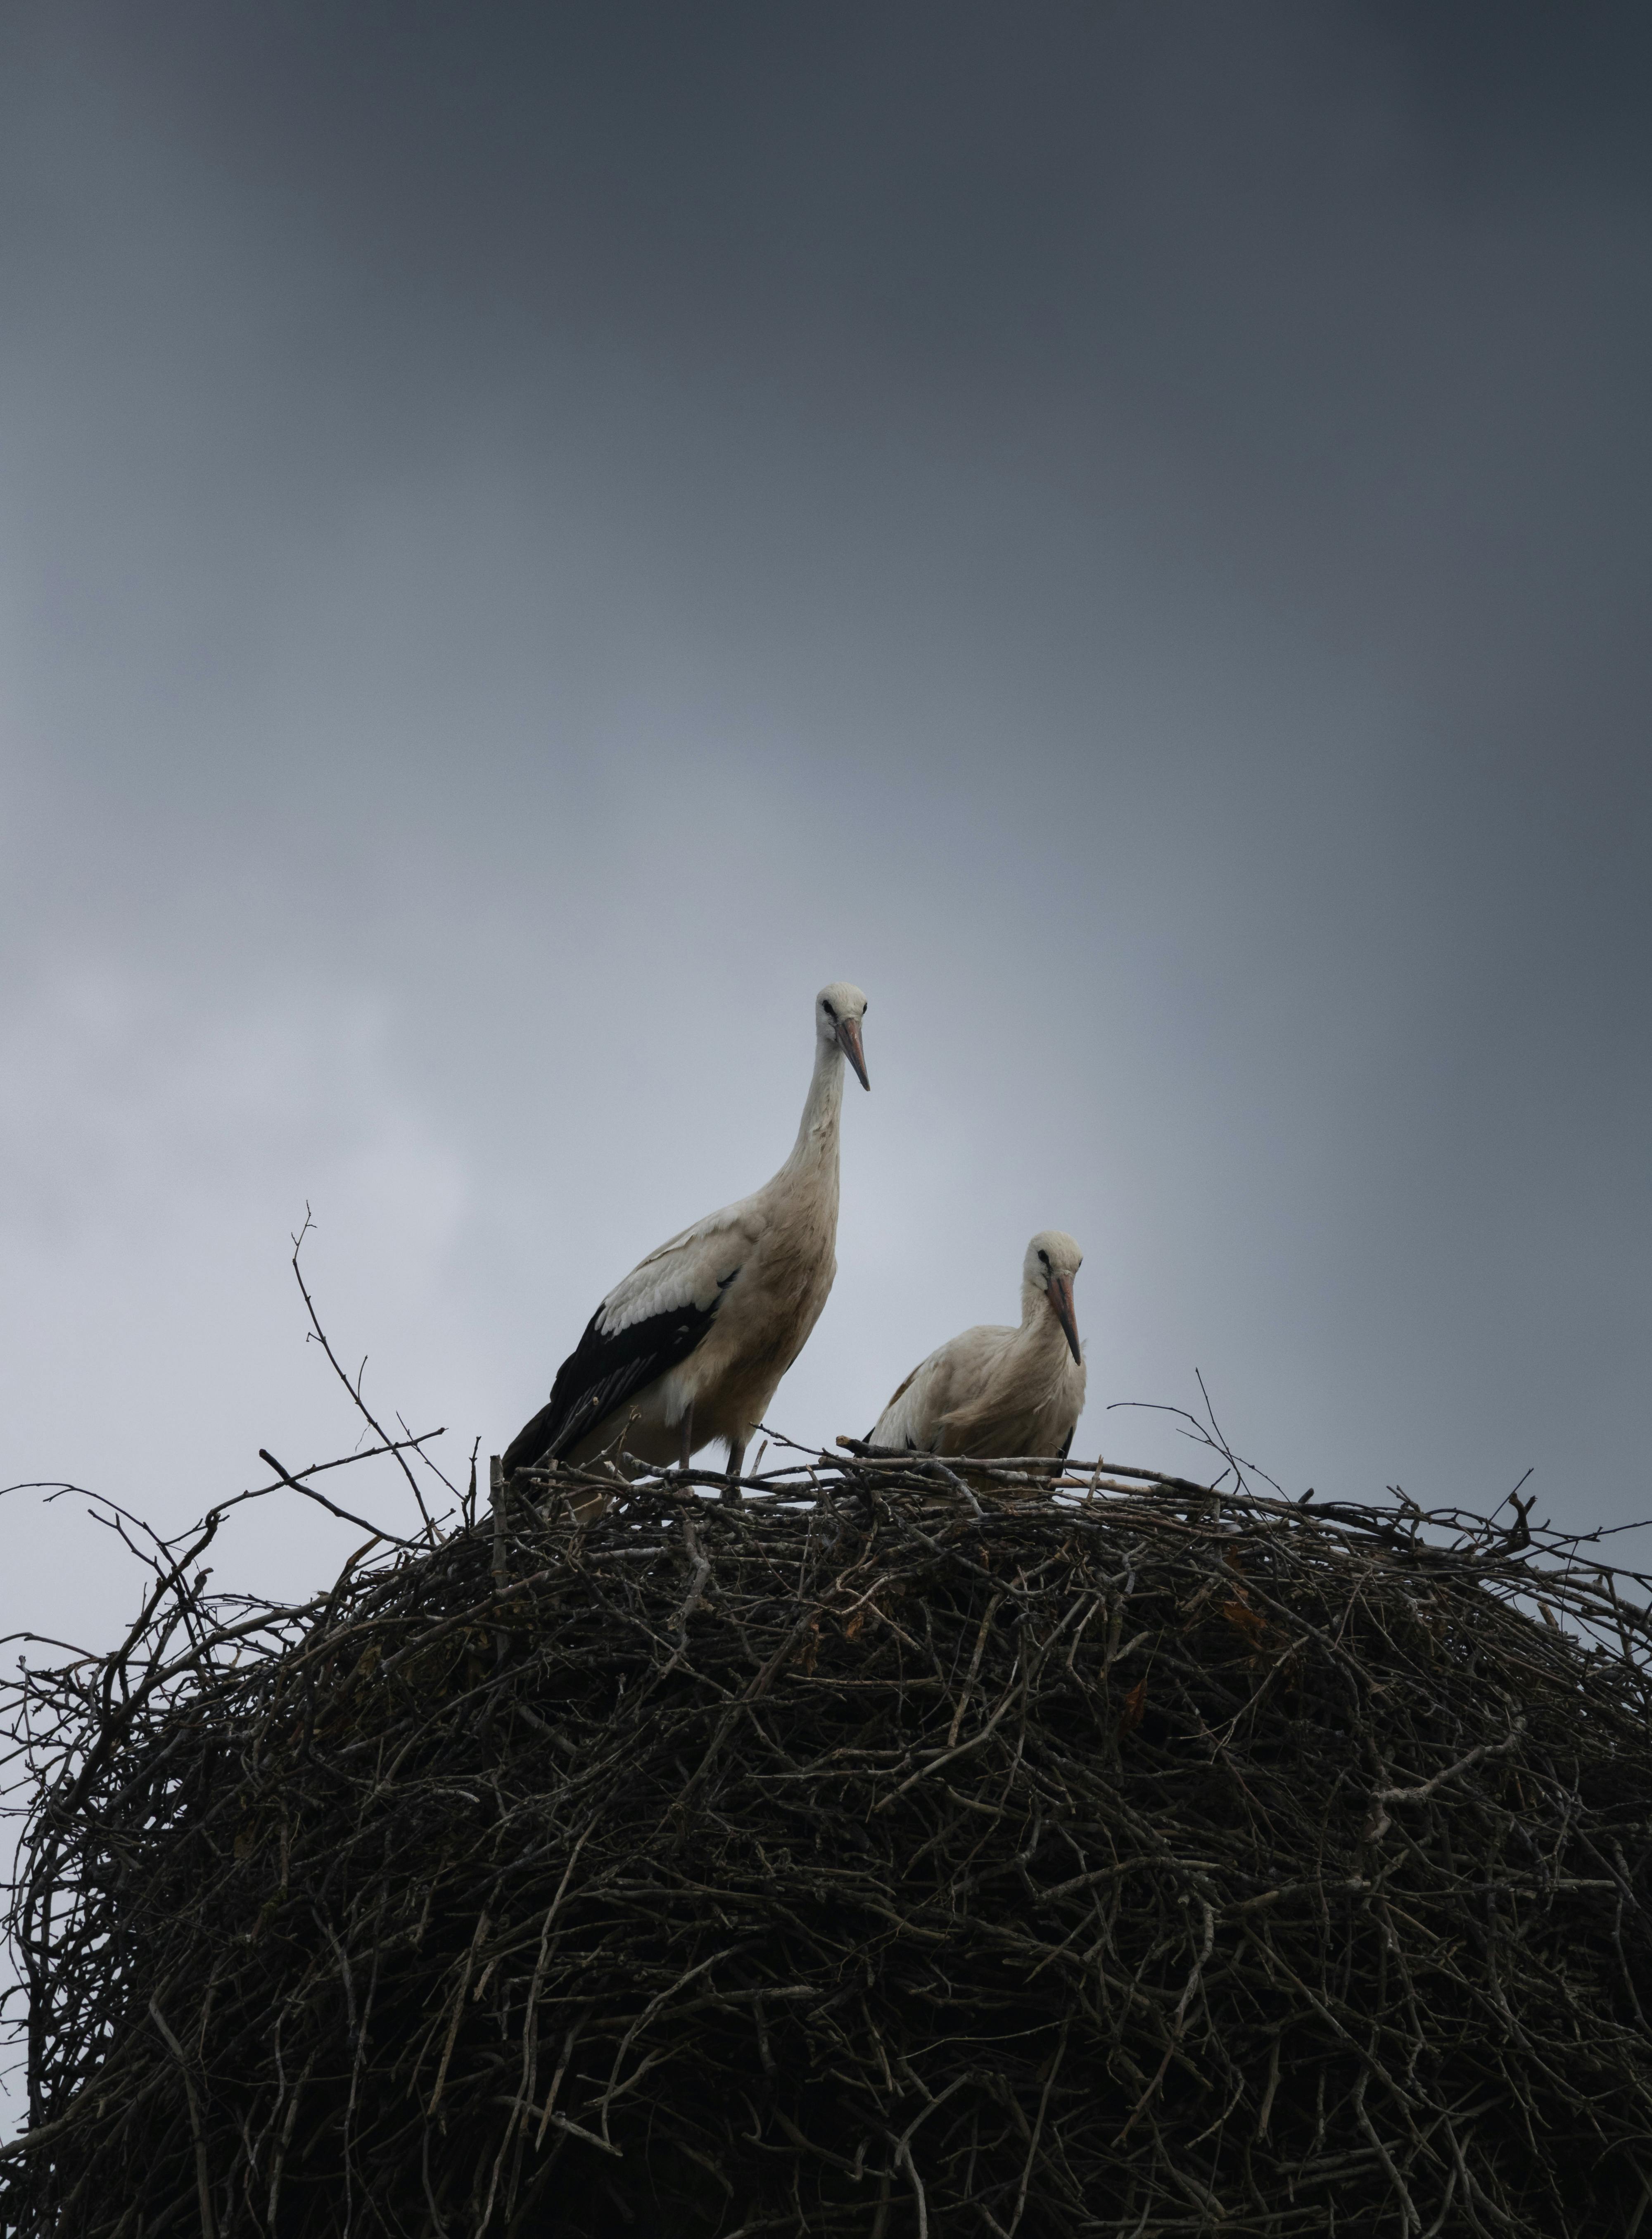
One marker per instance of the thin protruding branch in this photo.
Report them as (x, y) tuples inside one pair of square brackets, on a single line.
[(354, 1387)]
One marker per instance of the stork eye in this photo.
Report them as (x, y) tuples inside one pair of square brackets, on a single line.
[(827, 1008), (1044, 1257)]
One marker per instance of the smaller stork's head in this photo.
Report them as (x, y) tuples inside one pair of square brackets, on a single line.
[(1052, 1260), (839, 1010)]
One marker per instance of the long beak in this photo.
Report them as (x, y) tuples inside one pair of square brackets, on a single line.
[(1061, 1299), (849, 1043)]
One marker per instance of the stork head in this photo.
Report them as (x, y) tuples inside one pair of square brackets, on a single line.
[(1052, 1260), (839, 1010)]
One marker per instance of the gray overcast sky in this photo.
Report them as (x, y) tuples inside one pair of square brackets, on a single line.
[(531, 538)]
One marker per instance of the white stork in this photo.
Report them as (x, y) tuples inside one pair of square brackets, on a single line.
[(993, 1390), (691, 1345)]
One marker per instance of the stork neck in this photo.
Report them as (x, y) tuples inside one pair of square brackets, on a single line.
[(817, 1135), (1037, 1316)]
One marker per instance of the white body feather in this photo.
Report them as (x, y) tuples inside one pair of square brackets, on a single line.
[(993, 1390)]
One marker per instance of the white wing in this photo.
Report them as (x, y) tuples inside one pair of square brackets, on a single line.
[(912, 1418), (653, 1319), (689, 1271)]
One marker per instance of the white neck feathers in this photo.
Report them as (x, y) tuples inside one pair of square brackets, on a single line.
[(817, 1135), (1038, 1317)]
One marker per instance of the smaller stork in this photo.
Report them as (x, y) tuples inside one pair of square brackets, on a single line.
[(993, 1391)]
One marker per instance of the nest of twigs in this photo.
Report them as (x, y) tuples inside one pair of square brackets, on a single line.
[(874, 1856)]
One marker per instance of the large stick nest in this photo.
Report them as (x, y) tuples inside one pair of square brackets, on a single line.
[(871, 1858)]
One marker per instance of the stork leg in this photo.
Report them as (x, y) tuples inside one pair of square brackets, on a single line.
[(688, 1435), (736, 1462)]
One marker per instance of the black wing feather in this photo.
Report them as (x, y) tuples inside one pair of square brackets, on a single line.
[(603, 1371)]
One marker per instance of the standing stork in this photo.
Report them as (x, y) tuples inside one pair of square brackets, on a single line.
[(691, 1345), (993, 1391)]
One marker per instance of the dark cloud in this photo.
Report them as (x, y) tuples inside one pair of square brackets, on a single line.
[(1522, 95)]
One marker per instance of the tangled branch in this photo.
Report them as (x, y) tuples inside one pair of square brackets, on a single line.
[(881, 1855)]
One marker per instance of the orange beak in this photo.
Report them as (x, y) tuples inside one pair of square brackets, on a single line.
[(849, 1043), (1061, 1299)]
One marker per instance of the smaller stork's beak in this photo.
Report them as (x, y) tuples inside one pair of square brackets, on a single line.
[(1061, 1299), (849, 1043)]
